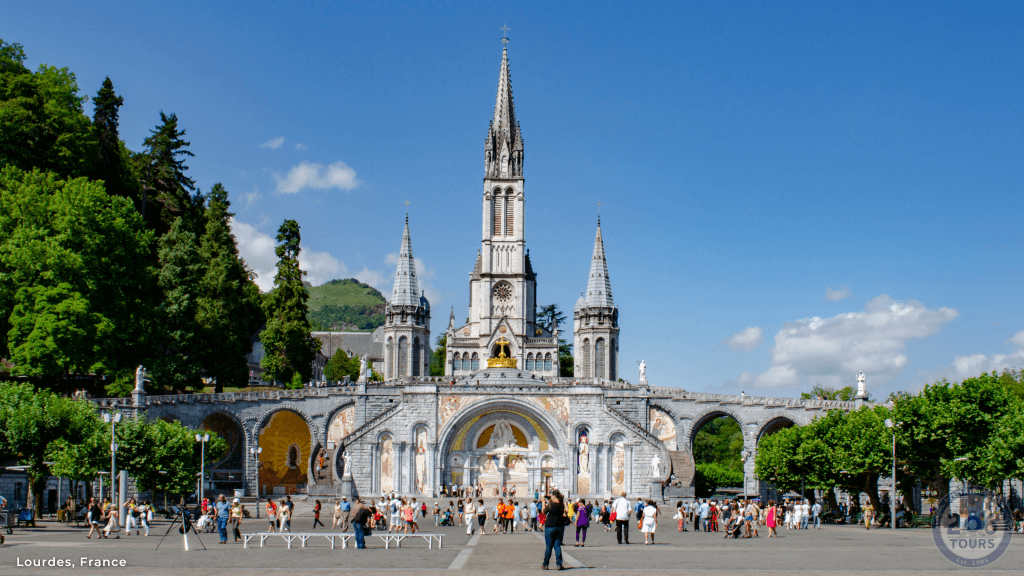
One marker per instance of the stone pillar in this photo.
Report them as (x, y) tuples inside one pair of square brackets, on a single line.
[(630, 466)]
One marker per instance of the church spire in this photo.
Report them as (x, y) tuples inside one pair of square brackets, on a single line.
[(599, 286), (503, 150), (406, 291)]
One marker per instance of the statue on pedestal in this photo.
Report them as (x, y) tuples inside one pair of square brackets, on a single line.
[(362, 368), (643, 371), (140, 378), (656, 467), (861, 390)]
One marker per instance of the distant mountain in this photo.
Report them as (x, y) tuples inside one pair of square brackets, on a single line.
[(345, 305)]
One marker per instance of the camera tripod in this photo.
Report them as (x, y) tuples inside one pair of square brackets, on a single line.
[(185, 519)]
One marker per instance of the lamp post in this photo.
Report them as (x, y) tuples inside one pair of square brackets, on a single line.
[(743, 461), (256, 455), (203, 438), (113, 419), (892, 496)]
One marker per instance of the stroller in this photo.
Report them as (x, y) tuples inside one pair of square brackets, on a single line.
[(447, 518)]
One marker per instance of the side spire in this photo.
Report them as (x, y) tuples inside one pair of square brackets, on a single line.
[(599, 286), (406, 291)]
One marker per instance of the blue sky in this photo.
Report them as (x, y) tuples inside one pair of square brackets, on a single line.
[(791, 192)]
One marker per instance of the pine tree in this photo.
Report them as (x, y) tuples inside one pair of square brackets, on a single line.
[(112, 157), (288, 345), (181, 350), (229, 310), (167, 191)]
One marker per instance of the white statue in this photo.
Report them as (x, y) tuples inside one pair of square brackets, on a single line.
[(643, 371), (140, 378), (502, 435), (584, 454), (362, 368), (861, 392), (344, 462), (656, 467)]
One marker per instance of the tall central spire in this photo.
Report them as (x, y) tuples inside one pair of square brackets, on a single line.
[(406, 291), (503, 150)]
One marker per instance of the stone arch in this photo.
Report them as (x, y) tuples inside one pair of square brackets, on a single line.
[(329, 422), (287, 441), (446, 436), (586, 363), (402, 357), (229, 427), (773, 425), (708, 415), (421, 473), (415, 356)]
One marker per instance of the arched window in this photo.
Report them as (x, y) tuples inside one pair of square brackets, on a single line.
[(402, 358), (497, 213), (416, 357), (529, 361), (457, 362), (587, 367), (389, 365), (599, 358), (612, 366), (547, 361), (509, 213), (475, 364)]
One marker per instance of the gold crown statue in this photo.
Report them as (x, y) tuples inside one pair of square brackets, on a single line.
[(502, 360)]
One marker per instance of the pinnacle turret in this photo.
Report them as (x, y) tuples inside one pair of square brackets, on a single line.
[(503, 149), (406, 291), (599, 286)]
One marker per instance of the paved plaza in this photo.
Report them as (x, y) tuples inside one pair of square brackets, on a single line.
[(833, 549)]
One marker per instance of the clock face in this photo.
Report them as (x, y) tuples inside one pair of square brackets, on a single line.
[(503, 292)]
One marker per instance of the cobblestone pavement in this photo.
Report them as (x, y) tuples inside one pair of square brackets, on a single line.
[(834, 549)]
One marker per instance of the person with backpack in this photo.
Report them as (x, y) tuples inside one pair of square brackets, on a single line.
[(554, 530)]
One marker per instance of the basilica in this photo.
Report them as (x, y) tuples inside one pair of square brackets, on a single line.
[(502, 328), (501, 416)]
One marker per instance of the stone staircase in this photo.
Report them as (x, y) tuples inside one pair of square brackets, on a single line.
[(683, 466)]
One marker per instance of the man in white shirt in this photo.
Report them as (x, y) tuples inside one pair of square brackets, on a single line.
[(816, 511), (622, 509), (805, 514)]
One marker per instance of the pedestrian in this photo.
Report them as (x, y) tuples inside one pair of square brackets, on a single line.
[(359, 519), (235, 519), (94, 515), (146, 515), (481, 515), (316, 515), (272, 515), (410, 518), (533, 515), (621, 510), (773, 519), (582, 522), (460, 510), (869, 513), (554, 529), (284, 517), (470, 516), (649, 524), (437, 514), (805, 514), (112, 521), (346, 513), (131, 516), (223, 511), (816, 512), (751, 516), (798, 514), (705, 513)]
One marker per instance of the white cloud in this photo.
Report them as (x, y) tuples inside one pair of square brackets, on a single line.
[(257, 249), (746, 339), (273, 144), (374, 278), (838, 294), (976, 364), (300, 146), (251, 198), (317, 177), (831, 350)]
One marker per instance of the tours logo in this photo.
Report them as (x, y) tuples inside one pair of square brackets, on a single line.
[(973, 527)]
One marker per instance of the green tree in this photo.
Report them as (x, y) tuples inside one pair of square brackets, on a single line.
[(42, 124), (710, 477), (288, 345), (845, 394), (112, 164), (181, 351), (76, 284), (720, 441), (439, 357), (228, 308), (550, 316), (168, 193), (340, 365)]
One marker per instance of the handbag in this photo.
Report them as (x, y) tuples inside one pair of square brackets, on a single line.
[(612, 516)]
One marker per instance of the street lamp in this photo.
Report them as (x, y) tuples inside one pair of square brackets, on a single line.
[(743, 460), (113, 419), (256, 454), (892, 496), (204, 438)]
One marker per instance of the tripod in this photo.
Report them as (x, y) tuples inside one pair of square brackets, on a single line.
[(185, 519)]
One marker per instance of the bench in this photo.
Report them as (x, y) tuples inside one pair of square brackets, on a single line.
[(303, 536), (397, 539)]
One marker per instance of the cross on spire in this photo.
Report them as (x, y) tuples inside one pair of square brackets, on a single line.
[(504, 34)]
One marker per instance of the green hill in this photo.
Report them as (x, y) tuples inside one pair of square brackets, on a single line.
[(345, 305)]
